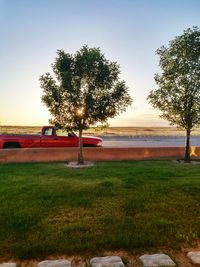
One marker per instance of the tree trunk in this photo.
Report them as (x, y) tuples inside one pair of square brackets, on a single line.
[(187, 146), (80, 148)]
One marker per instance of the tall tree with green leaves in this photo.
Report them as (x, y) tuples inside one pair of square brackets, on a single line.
[(178, 93), (85, 89)]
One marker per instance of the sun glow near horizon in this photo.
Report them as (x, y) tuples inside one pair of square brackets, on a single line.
[(41, 117)]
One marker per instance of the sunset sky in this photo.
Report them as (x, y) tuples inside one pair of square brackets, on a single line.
[(127, 31)]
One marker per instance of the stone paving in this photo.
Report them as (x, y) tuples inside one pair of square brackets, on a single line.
[(157, 260), (147, 260), (8, 264), (55, 263), (194, 256), (109, 261)]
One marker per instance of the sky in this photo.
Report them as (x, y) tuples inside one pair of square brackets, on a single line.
[(127, 31)]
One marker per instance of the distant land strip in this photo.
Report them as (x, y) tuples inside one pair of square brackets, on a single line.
[(121, 131)]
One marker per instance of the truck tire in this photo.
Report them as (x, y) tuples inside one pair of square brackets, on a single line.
[(11, 145)]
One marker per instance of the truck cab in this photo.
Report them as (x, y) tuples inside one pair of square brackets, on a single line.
[(51, 137)]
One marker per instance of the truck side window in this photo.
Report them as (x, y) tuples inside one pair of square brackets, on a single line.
[(60, 132), (48, 132)]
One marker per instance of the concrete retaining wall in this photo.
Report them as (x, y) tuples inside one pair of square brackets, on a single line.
[(94, 154)]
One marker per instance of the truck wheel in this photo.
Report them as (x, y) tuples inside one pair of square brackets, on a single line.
[(11, 145)]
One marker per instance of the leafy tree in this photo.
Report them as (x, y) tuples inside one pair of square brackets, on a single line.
[(84, 90), (178, 93)]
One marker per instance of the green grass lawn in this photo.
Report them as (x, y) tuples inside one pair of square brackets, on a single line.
[(139, 205)]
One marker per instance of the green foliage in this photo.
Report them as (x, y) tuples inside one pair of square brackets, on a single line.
[(84, 90), (178, 95), (48, 209)]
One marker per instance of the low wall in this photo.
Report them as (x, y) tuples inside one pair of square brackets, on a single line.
[(94, 154)]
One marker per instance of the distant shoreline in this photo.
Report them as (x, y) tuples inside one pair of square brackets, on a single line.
[(110, 131)]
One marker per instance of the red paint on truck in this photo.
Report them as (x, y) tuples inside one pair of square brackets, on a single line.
[(48, 138)]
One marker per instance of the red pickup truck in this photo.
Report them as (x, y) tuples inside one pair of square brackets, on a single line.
[(50, 137)]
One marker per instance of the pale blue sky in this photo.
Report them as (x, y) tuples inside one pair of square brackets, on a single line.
[(127, 31)]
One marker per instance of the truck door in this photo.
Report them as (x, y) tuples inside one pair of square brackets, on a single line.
[(51, 139)]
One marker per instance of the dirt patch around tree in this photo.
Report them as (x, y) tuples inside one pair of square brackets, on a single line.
[(75, 165)]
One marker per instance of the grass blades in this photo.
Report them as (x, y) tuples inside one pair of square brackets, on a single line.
[(47, 208)]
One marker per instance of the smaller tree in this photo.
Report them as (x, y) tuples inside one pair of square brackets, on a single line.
[(84, 90), (178, 95)]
